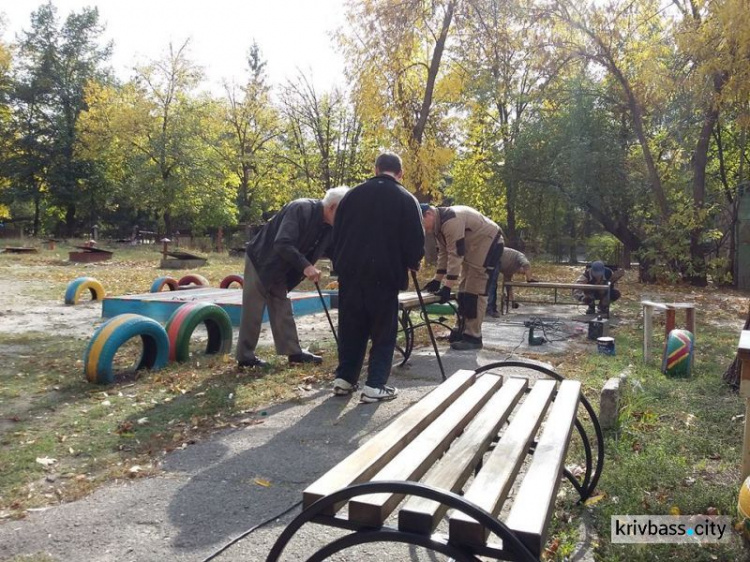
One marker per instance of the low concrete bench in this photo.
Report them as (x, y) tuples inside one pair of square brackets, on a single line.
[(417, 471), (408, 303)]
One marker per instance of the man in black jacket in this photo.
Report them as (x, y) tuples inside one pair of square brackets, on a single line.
[(278, 258), (378, 237)]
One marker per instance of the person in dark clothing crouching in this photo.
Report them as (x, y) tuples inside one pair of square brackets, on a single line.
[(598, 274), (378, 237), (279, 257)]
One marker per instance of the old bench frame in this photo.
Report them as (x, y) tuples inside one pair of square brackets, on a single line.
[(366, 479), (546, 285), (408, 303)]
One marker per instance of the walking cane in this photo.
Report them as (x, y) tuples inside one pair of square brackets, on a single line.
[(427, 322), (330, 322)]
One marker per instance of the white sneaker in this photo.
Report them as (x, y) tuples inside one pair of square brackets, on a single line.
[(373, 394), (343, 388)]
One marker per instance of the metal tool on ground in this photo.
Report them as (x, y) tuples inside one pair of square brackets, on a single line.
[(427, 322), (328, 315)]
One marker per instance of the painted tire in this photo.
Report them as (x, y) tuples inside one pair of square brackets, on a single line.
[(678, 354), (160, 282), (193, 279), (109, 337), (77, 286), (229, 279), (184, 320)]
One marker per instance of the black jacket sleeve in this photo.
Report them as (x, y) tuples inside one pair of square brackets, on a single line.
[(288, 236)]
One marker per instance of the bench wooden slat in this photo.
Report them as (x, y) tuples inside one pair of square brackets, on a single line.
[(421, 515), (368, 459), (491, 486), (533, 505), (417, 457)]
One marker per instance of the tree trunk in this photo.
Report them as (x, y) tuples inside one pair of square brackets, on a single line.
[(732, 375), (70, 220)]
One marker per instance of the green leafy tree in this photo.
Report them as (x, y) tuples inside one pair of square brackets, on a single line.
[(55, 63)]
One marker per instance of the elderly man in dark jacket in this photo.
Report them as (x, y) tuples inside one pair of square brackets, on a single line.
[(278, 258), (378, 237)]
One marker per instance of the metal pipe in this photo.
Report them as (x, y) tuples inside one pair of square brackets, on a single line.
[(427, 322), (330, 322)]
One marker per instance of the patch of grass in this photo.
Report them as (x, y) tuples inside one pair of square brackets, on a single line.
[(61, 437), (678, 444)]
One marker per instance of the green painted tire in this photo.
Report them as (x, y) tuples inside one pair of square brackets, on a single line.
[(184, 320), (229, 279), (160, 282), (193, 279), (110, 336), (77, 286), (677, 360)]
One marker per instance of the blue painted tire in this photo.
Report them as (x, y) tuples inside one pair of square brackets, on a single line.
[(78, 286), (160, 282), (193, 279), (229, 279), (110, 336), (185, 320)]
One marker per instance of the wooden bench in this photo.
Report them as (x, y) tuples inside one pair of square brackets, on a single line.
[(670, 312), (417, 471), (547, 285), (408, 303)]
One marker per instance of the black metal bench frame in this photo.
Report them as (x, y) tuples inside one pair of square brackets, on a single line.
[(545, 285), (408, 326), (513, 548)]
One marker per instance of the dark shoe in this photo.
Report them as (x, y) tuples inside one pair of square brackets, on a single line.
[(455, 336), (253, 364), (468, 343), (515, 305), (493, 314), (591, 309), (305, 357), (604, 311)]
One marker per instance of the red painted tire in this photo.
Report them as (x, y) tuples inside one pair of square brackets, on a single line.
[(193, 279), (229, 279), (184, 320), (160, 282)]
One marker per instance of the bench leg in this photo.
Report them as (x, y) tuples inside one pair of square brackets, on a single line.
[(648, 328), (670, 322), (690, 320)]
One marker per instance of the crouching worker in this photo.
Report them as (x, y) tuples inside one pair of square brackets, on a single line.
[(279, 257), (469, 248), (598, 274), (511, 262)]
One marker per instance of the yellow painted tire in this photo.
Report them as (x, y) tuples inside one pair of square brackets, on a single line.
[(193, 279), (110, 336), (78, 286), (743, 502)]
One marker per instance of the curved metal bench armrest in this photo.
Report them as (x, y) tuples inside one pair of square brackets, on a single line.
[(511, 542)]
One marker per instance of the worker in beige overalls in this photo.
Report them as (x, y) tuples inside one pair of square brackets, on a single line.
[(469, 248)]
